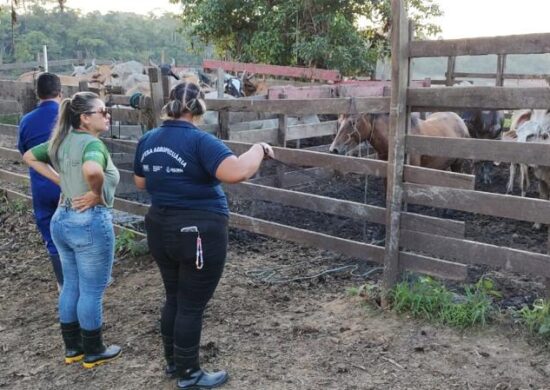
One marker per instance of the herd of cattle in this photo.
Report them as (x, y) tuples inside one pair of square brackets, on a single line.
[(526, 125), (131, 77)]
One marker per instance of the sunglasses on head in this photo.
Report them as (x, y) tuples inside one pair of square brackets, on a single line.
[(104, 113)]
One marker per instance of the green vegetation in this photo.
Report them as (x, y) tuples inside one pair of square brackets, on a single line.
[(119, 36), (537, 318), (428, 299), (127, 245), (347, 35), (13, 206), (9, 119)]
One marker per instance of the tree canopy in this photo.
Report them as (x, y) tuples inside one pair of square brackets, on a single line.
[(348, 35), (120, 36)]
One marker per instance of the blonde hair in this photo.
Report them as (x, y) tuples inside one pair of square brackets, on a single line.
[(69, 118), (185, 98)]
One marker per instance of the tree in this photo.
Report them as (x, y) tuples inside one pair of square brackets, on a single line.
[(345, 34)]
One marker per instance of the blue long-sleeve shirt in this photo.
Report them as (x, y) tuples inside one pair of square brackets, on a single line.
[(35, 128)]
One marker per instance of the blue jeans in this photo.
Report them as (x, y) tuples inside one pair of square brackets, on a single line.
[(86, 245)]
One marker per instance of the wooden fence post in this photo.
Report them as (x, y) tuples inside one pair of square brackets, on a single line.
[(501, 66), (450, 75), (156, 95), (396, 158), (281, 141), (223, 115)]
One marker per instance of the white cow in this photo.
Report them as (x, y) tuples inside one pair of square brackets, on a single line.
[(526, 125)]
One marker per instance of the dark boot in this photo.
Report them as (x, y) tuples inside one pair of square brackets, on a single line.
[(73, 342), (200, 379), (190, 375), (56, 265), (168, 343), (95, 352)]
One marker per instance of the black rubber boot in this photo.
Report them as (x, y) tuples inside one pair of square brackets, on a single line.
[(73, 342), (95, 352), (168, 343), (190, 375), (56, 265)]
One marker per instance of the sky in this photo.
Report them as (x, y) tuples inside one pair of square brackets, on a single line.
[(462, 19)]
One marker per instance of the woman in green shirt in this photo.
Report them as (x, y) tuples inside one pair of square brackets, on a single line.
[(82, 227)]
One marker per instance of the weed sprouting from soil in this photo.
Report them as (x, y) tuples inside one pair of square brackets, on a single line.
[(537, 318), (127, 245)]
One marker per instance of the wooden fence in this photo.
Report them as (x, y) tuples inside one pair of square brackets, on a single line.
[(415, 242)]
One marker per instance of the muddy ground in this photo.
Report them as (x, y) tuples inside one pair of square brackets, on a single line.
[(282, 317), (308, 333)]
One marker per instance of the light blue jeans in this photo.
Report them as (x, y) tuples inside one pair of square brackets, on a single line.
[(86, 245)]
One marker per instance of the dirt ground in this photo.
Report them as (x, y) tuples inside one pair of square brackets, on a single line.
[(303, 334)]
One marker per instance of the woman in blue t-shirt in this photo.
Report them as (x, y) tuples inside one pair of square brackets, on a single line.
[(182, 168)]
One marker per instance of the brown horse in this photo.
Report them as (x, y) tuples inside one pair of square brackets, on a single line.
[(374, 128)]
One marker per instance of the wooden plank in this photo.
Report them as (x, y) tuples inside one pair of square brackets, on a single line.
[(302, 107), (274, 70), (295, 132), (130, 207), (413, 174), (9, 130), (121, 100), (480, 149), (309, 92), (13, 177), (505, 206), (507, 76), (472, 252), (311, 130), (10, 107), (122, 114), (10, 154), (344, 208), (511, 44), (413, 262), (486, 98), (296, 178), (438, 226), (396, 157)]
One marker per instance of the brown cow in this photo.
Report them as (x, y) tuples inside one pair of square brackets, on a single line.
[(374, 128)]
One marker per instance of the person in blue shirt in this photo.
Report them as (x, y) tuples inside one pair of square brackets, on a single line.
[(182, 168), (34, 129)]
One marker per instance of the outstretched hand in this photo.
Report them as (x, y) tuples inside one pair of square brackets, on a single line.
[(86, 201), (268, 150)]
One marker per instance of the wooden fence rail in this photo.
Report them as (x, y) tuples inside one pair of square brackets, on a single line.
[(511, 44)]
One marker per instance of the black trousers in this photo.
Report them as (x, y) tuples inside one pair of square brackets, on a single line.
[(188, 289)]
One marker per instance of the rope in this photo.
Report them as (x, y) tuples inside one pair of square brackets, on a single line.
[(275, 275)]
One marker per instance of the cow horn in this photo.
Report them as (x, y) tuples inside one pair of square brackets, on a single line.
[(173, 63)]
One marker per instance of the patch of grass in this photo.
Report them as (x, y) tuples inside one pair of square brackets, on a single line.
[(126, 244), (9, 119), (537, 318), (428, 299)]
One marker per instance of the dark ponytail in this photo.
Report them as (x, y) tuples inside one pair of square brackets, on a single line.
[(184, 98)]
